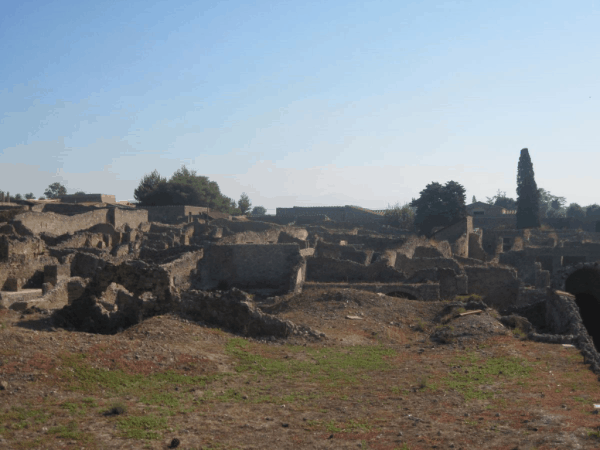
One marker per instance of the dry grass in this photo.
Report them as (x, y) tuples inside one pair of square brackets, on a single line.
[(377, 382)]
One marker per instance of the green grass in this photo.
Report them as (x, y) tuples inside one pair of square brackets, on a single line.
[(142, 427), (474, 375), (71, 431), (81, 376), (330, 366), (18, 418)]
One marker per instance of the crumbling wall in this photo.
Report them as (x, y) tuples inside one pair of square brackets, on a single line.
[(181, 269), (233, 310), (30, 223), (132, 218), (327, 270), (457, 235), (452, 283), (27, 274), (252, 237), (343, 252), (274, 268), (172, 213), (16, 248), (410, 265), (498, 285), (476, 250)]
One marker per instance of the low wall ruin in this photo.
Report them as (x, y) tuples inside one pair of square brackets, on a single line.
[(272, 269)]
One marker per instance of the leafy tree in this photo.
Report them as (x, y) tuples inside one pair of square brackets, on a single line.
[(30, 196), (500, 199), (439, 206), (551, 205), (185, 187), (55, 190), (148, 183), (576, 211), (259, 211), (244, 203), (528, 196), (18, 197), (400, 216), (592, 210)]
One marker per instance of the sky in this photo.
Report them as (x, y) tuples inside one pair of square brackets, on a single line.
[(301, 103)]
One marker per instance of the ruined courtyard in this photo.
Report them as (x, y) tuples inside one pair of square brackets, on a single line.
[(314, 328)]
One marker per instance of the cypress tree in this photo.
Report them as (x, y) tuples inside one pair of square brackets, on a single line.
[(528, 196)]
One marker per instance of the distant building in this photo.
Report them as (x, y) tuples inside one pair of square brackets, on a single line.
[(480, 209)]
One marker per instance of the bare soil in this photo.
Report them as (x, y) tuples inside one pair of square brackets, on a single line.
[(379, 380)]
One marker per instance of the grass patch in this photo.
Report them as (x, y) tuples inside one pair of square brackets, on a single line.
[(81, 376), (142, 427), (18, 418), (70, 431), (472, 376), (330, 366)]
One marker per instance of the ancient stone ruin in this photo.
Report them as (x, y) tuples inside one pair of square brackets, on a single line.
[(103, 266)]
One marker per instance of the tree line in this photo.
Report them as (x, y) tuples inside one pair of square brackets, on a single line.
[(442, 205), (186, 187)]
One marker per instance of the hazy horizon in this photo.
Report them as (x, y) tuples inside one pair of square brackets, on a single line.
[(311, 104)]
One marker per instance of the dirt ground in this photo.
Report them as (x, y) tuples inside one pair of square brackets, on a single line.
[(390, 373)]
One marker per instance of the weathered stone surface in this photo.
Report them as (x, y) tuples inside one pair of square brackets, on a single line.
[(514, 321), (233, 310)]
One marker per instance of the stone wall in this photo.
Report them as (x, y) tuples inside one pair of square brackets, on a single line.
[(343, 252), (411, 265), (35, 223), (119, 217), (457, 235), (499, 286), (348, 213), (29, 274), (15, 248), (552, 259), (172, 213), (327, 270), (507, 221), (271, 269), (182, 270), (83, 198), (476, 250)]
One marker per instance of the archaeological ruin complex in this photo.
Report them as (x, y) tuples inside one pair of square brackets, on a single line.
[(108, 265)]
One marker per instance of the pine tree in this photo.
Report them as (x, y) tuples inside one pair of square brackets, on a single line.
[(474, 200), (528, 196)]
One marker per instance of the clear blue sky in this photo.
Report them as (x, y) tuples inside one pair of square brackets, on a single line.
[(301, 103)]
